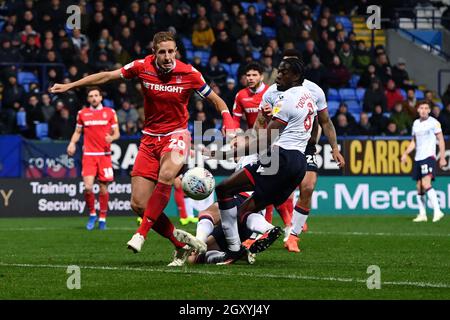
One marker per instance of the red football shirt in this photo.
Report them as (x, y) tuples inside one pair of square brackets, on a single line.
[(247, 102), (96, 124), (166, 95)]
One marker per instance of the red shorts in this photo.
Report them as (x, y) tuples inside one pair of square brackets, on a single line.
[(98, 166), (152, 149)]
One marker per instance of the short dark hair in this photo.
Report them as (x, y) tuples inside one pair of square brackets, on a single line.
[(93, 88), (297, 66), (254, 66), (292, 53), (423, 102)]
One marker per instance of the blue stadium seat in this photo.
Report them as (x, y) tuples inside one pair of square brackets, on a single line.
[(333, 95), (332, 107), (260, 7), (354, 80), (26, 78), (270, 32), (419, 94), (204, 56), (234, 69), (108, 103), (403, 92), (440, 105), (360, 93), (347, 94), (256, 55), (245, 6), (353, 106), (227, 68), (42, 130), (189, 55), (187, 43), (357, 116), (2, 24)]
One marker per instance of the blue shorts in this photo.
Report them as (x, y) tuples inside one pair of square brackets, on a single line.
[(424, 168), (275, 185)]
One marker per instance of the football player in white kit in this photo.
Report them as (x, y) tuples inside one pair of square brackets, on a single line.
[(308, 184), (293, 116), (426, 131)]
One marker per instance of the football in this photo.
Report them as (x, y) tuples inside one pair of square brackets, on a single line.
[(198, 183)]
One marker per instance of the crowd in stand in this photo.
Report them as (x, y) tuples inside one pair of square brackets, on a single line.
[(113, 33)]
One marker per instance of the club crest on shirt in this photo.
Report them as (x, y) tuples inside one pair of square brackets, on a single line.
[(276, 109), (105, 115), (179, 79)]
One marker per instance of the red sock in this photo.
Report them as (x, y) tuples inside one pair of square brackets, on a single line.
[(155, 205), (269, 213), (290, 207), (89, 197), (285, 215), (179, 200), (103, 199), (165, 228)]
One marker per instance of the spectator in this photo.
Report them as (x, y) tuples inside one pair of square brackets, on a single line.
[(364, 128), (225, 49), (287, 30), (378, 121), (121, 95), (13, 93), (343, 126), (446, 96), (131, 128), (401, 119), (310, 50), (346, 56), (327, 56), (429, 97), (62, 124), (216, 13), (127, 40), (343, 109), (367, 76), (276, 52), (270, 72), (252, 16), (229, 93), (391, 129), (400, 75), (258, 38), (8, 53), (338, 75), (79, 40), (374, 96), (203, 35), (215, 72), (393, 95), (269, 16), (244, 46), (445, 119), (48, 110), (125, 114), (362, 57), (317, 73), (383, 68), (238, 28), (30, 50), (119, 54), (409, 105), (34, 116), (95, 26)]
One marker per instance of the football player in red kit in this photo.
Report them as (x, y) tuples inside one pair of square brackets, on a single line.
[(99, 128), (167, 85), (247, 102)]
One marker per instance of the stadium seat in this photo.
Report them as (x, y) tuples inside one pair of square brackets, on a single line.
[(2, 24), (187, 43), (42, 130), (256, 55), (270, 32), (332, 107), (353, 106), (26, 78), (354, 80), (419, 94), (346, 23), (347, 94), (440, 105), (333, 95), (204, 56), (189, 55), (360, 93), (21, 120), (403, 93), (260, 7), (245, 6), (227, 68), (234, 69), (108, 103), (357, 116)]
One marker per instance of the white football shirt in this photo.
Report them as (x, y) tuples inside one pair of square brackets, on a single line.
[(425, 133)]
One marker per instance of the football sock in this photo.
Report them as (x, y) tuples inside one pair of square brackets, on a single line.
[(189, 205), (228, 215), (431, 193), (155, 205), (103, 199), (421, 202), (205, 227), (269, 213), (214, 256), (285, 214), (298, 220), (179, 200), (165, 228), (89, 197), (257, 223)]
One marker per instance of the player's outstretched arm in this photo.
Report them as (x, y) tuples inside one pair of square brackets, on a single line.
[(330, 132), (442, 160), (72, 147), (91, 80), (408, 150), (221, 106)]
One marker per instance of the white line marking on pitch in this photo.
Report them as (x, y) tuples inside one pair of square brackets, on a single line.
[(246, 274)]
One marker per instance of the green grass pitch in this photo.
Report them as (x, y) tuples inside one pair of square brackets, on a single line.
[(414, 260)]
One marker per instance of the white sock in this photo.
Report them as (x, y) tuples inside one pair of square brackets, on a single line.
[(204, 228), (228, 219), (421, 202), (431, 193), (214, 256), (257, 223), (189, 205), (298, 221)]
